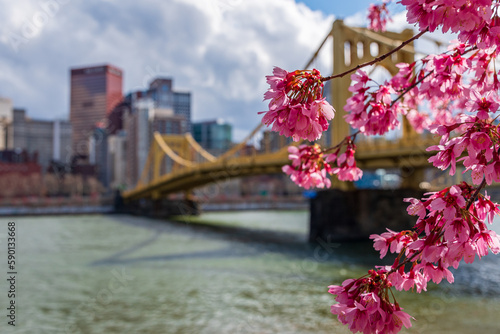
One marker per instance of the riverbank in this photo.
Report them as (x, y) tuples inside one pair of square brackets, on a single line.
[(30, 206), (82, 205), (260, 203), (56, 210)]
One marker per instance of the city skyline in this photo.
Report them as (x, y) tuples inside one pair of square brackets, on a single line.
[(178, 98), (218, 50)]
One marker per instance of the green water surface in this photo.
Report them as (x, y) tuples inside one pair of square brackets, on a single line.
[(232, 272)]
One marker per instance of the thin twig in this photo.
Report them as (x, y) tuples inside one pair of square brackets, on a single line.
[(350, 137), (376, 60), (476, 193), (410, 88)]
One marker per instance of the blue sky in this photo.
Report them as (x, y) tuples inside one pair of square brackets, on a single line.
[(342, 9), (219, 50), (339, 8)]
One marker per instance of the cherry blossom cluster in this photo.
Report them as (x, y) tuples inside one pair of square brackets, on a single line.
[(371, 112), (378, 15), (297, 108), (453, 95), (448, 230), (364, 304), (478, 141), (346, 169), (448, 82), (309, 168), (476, 21), (451, 227)]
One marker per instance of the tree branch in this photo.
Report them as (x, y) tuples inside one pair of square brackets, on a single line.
[(476, 193), (407, 89), (376, 60)]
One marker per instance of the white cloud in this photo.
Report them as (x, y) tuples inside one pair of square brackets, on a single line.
[(220, 50)]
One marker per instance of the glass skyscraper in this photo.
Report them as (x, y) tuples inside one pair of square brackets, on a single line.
[(215, 136)]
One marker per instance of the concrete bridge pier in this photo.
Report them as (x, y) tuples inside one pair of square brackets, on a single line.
[(158, 207), (352, 215)]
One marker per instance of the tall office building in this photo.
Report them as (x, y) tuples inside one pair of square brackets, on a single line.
[(94, 93), (164, 97)]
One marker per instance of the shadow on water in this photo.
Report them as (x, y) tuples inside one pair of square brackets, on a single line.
[(244, 242), (220, 253), (482, 278)]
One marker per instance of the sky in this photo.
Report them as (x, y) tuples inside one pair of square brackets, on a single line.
[(341, 9), (219, 50)]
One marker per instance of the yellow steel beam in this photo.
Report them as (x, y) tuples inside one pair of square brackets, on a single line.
[(209, 172), (313, 58), (343, 61), (197, 147), (383, 38), (158, 156), (168, 151), (188, 178)]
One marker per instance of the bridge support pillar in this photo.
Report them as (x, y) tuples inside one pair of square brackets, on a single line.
[(337, 215), (411, 177), (161, 207)]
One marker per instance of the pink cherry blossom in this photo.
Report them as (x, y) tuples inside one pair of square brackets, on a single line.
[(297, 108), (450, 204), (364, 305), (473, 20), (479, 139), (396, 241), (486, 240), (347, 170), (483, 104), (378, 15), (308, 168), (416, 208), (375, 116), (445, 234)]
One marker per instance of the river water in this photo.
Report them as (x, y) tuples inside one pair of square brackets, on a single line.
[(233, 272)]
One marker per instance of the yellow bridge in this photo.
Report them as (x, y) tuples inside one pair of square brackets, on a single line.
[(177, 163)]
